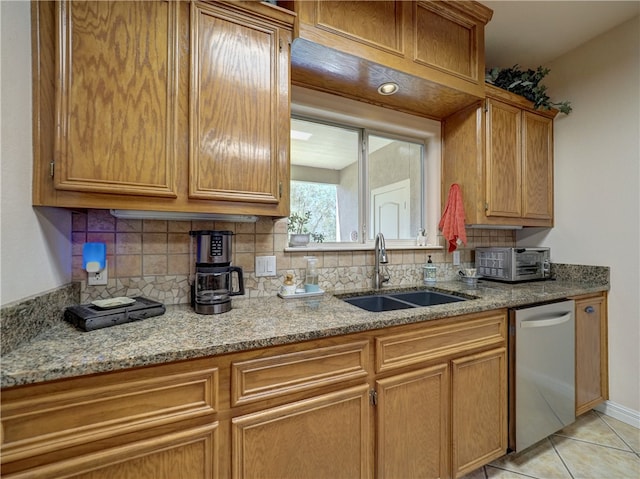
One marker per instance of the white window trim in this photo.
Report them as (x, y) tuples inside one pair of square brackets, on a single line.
[(332, 108)]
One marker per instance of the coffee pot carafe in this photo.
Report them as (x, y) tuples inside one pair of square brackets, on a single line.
[(215, 281)]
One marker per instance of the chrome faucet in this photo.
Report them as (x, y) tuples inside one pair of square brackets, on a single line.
[(380, 252)]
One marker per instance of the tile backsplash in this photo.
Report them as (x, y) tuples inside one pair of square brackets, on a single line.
[(151, 257)]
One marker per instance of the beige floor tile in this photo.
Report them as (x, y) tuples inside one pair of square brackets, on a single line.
[(495, 473), (540, 460), (592, 428), (589, 461), (629, 434)]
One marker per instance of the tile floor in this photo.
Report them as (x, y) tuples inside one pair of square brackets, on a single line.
[(596, 446)]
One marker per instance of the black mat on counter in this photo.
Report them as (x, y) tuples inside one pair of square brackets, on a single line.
[(89, 317)]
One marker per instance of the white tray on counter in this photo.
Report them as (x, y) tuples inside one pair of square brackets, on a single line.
[(302, 295)]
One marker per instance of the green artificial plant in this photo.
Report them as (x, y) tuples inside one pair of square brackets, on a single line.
[(527, 84), (298, 225)]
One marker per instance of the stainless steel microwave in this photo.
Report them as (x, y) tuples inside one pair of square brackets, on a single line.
[(513, 264)]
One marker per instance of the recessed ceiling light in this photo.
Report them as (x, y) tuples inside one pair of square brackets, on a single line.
[(388, 88)]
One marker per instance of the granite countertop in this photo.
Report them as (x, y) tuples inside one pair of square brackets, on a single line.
[(62, 351)]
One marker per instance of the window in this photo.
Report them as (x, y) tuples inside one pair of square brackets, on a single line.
[(360, 169), (355, 183)]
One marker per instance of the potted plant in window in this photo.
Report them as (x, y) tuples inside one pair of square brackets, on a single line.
[(299, 234)]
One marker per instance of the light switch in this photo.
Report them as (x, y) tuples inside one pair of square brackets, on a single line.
[(456, 258), (265, 266)]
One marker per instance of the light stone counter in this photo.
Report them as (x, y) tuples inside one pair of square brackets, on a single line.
[(62, 351)]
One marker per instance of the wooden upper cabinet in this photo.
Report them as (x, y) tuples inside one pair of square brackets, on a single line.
[(500, 152), (383, 29), (537, 166), (503, 160), (239, 102), (433, 50), (168, 106), (449, 39), (115, 97)]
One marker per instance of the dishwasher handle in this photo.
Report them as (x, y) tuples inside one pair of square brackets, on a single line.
[(546, 320)]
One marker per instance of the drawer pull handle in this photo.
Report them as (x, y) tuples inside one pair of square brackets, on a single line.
[(589, 309)]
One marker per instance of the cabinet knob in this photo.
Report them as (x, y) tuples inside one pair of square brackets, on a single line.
[(589, 309)]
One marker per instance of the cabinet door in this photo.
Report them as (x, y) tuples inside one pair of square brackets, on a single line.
[(503, 160), (239, 107), (115, 95), (591, 353), (479, 410), (413, 424), (537, 166), (188, 454), (447, 40), (325, 436)]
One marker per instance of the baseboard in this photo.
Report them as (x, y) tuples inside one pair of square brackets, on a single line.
[(621, 413)]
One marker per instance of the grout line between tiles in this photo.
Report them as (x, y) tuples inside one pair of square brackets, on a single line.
[(561, 459), (523, 474), (630, 451), (600, 415)]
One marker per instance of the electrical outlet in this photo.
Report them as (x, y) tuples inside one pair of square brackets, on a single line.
[(265, 266), (456, 258), (99, 278)]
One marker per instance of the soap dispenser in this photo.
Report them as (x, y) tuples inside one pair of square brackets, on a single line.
[(429, 272), (311, 276)]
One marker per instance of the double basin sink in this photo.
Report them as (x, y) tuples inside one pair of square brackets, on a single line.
[(392, 301)]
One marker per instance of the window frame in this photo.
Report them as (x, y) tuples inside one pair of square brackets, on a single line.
[(343, 112)]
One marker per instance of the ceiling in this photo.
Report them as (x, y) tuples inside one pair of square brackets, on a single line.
[(533, 33)]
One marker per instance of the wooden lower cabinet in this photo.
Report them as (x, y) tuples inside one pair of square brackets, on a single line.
[(324, 436), (187, 454), (413, 424), (592, 385), (423, 400), (479, 410)]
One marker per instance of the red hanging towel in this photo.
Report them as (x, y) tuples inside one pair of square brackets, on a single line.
[(452, 222)]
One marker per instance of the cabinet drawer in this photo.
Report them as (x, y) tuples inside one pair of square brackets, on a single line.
[(274, 376), (47, 417), (439, 341)]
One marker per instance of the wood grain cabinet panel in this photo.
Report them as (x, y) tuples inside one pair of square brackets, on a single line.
[(537, 166), (500, 152), (592, 385), (438, 341), (503, 160), (163, 105), (383, 28), (412, 419), (116, 107), (447, 40), (325, 436), (188, 454), (239, 99), (71, 412), (433, 50), (479, 410), (278, 375)]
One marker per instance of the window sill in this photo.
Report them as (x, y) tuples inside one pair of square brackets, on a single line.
[(359, 247)]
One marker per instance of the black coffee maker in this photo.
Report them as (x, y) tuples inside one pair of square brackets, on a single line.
[(213, 284)]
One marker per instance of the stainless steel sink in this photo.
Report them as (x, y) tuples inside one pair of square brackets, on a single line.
[(393, 301), (427, 298)]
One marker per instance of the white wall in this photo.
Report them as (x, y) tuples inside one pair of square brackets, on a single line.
[(597, 185), (34, 243)]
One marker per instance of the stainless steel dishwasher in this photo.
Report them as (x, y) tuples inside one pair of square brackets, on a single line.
[(542, 372)]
